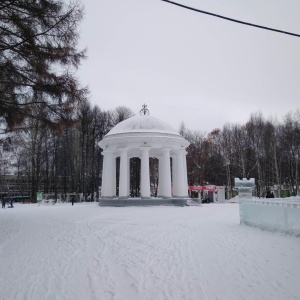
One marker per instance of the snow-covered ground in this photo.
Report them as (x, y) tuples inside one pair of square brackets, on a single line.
[(90, 252)]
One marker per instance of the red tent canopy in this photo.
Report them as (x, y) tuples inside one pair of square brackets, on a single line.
[(209, 188)]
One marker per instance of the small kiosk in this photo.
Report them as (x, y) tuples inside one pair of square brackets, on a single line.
[(207, 193)]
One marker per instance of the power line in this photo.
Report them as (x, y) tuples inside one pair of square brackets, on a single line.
[(230, 19)]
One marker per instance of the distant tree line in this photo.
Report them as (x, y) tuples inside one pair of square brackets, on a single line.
[(71, 162), (262, 149)]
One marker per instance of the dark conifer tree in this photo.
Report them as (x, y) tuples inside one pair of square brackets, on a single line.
[(38, 57)]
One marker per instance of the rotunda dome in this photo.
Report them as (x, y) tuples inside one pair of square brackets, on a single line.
[(142, 123), (141, 130)]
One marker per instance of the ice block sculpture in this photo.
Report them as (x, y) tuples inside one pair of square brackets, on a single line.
[(245, 187)]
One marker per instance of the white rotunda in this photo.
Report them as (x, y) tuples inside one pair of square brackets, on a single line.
[(144, 136)]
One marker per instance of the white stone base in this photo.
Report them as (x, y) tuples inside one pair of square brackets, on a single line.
[(143, 202)]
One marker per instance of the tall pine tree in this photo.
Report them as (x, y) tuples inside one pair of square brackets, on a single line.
[(38, 60)]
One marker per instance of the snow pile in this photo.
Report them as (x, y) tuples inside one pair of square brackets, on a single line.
[(194, 252)]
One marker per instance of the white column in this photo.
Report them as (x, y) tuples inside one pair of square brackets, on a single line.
[(104, 177), (180, 186), (128, 181), (182, 174), (185, 184), (108, 174), (112, 166), (160, 177), (175, 174), (123, 180), (166, 170), (145, 173)]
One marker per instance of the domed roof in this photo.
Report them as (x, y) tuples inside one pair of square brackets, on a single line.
[(142, 123)]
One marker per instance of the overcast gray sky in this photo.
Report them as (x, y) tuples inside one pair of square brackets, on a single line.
[(192, 67)]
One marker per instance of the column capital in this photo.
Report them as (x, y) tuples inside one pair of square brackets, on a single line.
[(166, 150), (144, 148), (180, 151), (107, 151), (123, 149)]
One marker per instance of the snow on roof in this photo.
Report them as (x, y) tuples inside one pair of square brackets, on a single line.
[(142, 123)]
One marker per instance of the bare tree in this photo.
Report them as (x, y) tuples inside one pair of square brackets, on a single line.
[(255, 132), (120, 114), (196, 157), (291, 149)]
